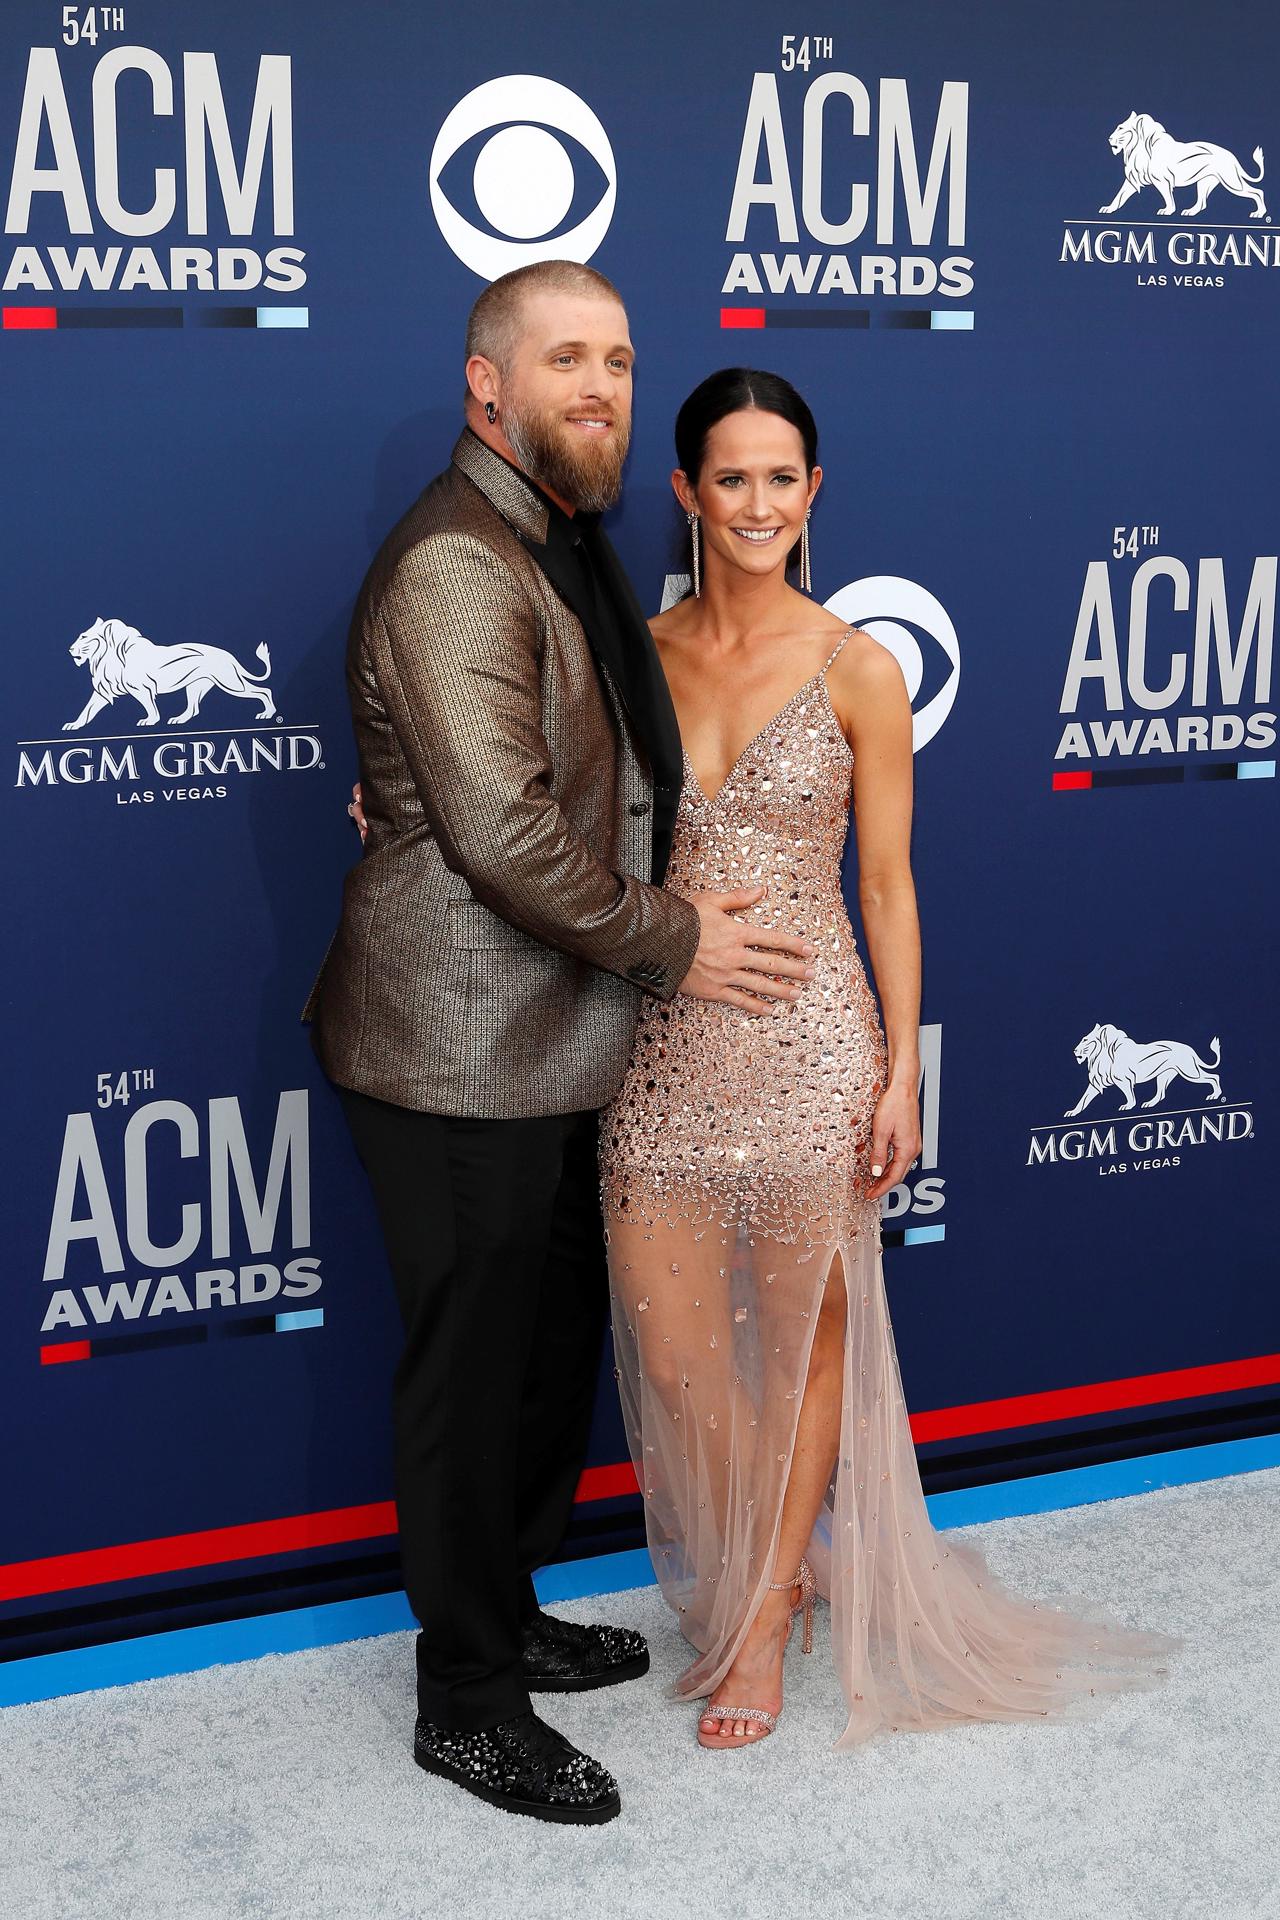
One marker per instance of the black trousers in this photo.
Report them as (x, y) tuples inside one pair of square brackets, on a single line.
[(494, 1236)]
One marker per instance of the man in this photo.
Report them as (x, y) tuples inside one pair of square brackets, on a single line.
[(520, 768)]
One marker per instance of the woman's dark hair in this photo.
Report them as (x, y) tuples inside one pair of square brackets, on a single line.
[(739, 390), (735, 390)]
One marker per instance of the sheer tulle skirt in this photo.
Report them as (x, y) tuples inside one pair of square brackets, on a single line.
[(713, 1327)]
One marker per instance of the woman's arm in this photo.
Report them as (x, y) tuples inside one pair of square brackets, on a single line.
[(872, 704)]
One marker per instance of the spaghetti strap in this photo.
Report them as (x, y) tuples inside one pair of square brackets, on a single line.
[(840, 649)]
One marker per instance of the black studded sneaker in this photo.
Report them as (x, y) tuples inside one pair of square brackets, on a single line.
[(558, 1656), (523, 1765)]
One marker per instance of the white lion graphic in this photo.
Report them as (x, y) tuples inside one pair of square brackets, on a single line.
[(121, 660), (1114, 1060), (1153, 158)]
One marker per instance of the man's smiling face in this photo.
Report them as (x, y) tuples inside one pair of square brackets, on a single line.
[(565, 403)]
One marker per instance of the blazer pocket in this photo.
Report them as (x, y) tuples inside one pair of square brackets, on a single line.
[(472, 926)]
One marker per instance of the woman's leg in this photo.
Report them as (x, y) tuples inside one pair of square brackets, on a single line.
[(755, 1678)]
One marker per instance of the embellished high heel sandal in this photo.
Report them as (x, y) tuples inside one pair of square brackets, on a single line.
[(804, 1579)]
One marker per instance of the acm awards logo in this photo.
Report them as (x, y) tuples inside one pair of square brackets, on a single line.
[(872, 226), (123, 665), (1156, 167), (241, 1200), (1120, 1069), (521, 171), (1170, 659), (73, 136)]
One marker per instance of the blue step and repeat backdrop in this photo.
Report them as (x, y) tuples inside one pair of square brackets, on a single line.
[(1024, 265)]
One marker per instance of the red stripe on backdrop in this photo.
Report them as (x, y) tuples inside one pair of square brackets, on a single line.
[(24, 319), (220, 1546), (57, 1356), (741, 317), (1071, 782), (606, 1483), (213, 1548), (1103, 1396)]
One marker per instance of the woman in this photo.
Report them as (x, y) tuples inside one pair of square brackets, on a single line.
[(745, 1156)]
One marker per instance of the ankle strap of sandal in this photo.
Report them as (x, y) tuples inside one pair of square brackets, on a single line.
[(802, 1577)]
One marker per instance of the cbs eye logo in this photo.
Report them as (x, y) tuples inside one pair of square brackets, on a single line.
[(895, 612), (533, 167)]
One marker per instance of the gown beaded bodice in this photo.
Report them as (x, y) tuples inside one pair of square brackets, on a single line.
[(732, 1113)]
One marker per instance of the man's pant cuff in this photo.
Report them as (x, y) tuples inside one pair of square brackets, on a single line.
[(475, 1707)]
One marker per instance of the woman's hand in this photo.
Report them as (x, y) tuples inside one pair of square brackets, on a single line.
[(357, 813), (895, 1138)]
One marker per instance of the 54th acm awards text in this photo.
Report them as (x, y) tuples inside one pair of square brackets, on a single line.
[(121, 1190)]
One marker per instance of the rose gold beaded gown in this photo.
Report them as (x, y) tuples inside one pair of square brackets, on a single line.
[(735, 1165)]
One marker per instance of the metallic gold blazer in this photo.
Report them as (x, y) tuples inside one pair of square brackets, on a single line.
[(497, 933)]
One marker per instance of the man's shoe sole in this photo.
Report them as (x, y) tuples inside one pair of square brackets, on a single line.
[(535, 1809), (588, 1682)]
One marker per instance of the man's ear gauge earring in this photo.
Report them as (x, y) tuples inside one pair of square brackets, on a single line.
[(490, 412), (695, 542)]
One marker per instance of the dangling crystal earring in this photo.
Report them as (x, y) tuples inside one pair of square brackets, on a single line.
[(697, 556), (806, 577)]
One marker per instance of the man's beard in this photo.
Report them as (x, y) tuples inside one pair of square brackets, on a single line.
[(588, 476)]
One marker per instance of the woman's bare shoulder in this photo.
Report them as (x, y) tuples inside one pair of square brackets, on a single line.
[(823, 621), (869, 690), (867, 662)]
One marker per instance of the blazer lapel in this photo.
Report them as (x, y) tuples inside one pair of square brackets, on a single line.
[(525, 511), (503, 486), (623, 643)]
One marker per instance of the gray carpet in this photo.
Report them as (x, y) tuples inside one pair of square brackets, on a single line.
[(283, 1787)]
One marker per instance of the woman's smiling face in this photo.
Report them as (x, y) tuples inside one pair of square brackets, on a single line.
[(753, 491)]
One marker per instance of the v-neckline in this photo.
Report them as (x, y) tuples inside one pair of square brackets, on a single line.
[(710, 800)]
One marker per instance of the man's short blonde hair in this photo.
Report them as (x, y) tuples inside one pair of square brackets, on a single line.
[(497, 318)]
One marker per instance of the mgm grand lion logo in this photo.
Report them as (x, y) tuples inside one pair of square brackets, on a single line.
[(1114, 1060), (1153, 158), (121, 660)]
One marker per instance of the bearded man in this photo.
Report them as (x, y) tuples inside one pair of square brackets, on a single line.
[(520, 767)]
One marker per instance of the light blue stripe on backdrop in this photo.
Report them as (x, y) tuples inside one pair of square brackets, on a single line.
[(188, 1650), (1108, 1480)]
